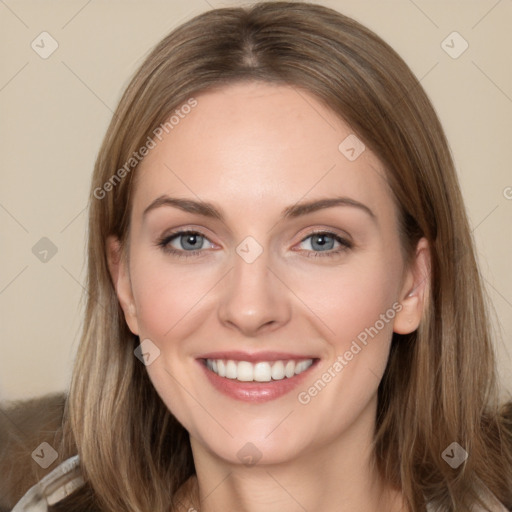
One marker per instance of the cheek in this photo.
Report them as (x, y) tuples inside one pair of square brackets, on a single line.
[(358, 306), (351, 298), (167, 294)]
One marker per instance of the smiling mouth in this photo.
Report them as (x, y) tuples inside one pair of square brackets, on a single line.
[(262, 371)]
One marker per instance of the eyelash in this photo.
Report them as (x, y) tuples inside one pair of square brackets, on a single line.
[(163, 243)]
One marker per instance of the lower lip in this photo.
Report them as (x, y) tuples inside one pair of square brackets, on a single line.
[(255, 391)]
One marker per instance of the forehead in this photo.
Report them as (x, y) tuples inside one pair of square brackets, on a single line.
[(254, 146)]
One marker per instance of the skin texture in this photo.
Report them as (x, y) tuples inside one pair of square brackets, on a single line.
[(253, 149)]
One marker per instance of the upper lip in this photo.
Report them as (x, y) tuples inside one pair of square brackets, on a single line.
[(255, 357)]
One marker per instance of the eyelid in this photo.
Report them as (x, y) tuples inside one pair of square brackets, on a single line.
[(164, 241), (193, 229), (189, 228), (330, 231), (345, 242)]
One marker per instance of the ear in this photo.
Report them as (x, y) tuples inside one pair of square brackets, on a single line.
[(118, 268), (414, 292)]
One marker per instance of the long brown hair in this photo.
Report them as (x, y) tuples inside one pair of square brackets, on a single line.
[(440, 383)]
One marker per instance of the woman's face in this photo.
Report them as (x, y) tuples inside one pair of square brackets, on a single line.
[(254, 283)]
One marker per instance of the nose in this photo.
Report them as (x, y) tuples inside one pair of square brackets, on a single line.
[(254, 297)]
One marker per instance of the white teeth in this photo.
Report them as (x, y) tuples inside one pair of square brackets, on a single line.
[(290, 369), (299, 368), (244, 371), (278, 370), (231, 369), (262, 371)]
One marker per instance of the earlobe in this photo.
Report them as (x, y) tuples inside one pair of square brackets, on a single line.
[(118, 269), (414, 293)]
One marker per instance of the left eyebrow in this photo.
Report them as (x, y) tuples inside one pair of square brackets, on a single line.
[(312, 206), (209, 210), (187, 205)]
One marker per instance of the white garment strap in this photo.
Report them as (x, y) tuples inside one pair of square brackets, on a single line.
[(55, 486)]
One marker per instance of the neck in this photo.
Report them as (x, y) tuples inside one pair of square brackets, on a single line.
[(337, 477)]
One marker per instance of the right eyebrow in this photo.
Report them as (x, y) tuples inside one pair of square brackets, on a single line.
[(209, 210)]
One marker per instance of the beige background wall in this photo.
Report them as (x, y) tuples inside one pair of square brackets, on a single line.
[(54, 113)]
